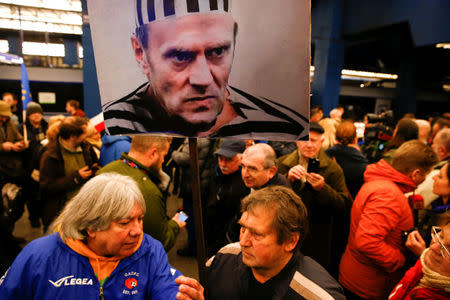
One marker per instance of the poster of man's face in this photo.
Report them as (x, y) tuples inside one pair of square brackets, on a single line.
[(203, 68)]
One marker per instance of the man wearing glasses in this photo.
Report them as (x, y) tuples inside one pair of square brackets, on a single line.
[(430, 277), (259, 168)]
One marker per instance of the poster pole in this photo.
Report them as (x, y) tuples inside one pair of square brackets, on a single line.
[(198, 217)]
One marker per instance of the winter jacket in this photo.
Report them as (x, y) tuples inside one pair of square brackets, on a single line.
[(206, 162), (328, 210), (228, 278), (156, 222), (353, 163), (371, 264), (49, 269), (10, 161), (34, 151), (54, 183), (406, 288), (113, 147), (224, 205)]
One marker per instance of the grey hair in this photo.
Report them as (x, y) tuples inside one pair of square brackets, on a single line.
[(106, 197), (268, 152), (443, 138)]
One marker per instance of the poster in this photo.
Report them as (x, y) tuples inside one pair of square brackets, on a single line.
[(203, 68)]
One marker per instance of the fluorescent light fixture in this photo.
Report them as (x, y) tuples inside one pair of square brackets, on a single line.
[(43, 49), (443, 45), (40, 26), (40, 19), (361, 75), (70, 5), (40, 49), (4, 46)]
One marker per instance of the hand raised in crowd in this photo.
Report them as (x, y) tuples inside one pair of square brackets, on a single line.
[(296, 173), (7, 146), (85, 172), (181, 224), (20, 146), (317, 181), (189, 288), (415, 243)]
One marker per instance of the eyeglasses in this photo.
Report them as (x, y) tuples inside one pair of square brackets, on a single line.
[(435, 230), (251, 170)]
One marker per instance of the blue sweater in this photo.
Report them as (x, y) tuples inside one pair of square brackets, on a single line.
[(48, 269)]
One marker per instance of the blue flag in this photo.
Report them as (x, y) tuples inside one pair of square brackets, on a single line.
[(26, 94)]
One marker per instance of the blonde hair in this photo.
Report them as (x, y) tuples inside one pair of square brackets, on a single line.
[(141, 143), (413, 155)]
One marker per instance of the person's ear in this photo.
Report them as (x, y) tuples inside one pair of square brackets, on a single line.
[(152, 151), (90, 233), (272, 171), (292, 242), (140, 54), (416, 175)]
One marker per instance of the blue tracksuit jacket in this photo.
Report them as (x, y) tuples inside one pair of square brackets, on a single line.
[(48, 269)]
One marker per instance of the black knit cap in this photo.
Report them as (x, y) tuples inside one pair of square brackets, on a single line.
[(34, 107)]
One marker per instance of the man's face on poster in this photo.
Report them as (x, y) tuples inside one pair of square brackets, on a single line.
[(187, 62)]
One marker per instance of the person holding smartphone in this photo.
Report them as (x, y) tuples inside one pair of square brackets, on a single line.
[(320, 182)]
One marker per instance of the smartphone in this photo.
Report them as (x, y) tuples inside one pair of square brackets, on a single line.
[(182, 216), (313, 165)]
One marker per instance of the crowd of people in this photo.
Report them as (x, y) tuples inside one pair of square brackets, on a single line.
[(312, 219)]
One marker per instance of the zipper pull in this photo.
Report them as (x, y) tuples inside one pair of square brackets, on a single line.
[(102, 297)]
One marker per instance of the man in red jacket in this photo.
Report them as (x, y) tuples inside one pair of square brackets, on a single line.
[(371, 264)]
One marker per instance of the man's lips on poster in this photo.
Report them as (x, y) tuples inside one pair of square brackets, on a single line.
[(200, 98)]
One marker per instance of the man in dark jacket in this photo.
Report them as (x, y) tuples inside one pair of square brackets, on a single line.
[(267, 263), (324, 193), (36, 128), (67, 163), (12, 170), (226, 193)]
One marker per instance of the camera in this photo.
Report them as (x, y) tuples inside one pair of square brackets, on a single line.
[(378, 132)]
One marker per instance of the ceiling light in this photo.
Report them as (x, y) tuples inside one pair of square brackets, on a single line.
[(70, 5), (361, 75), (443, 45)]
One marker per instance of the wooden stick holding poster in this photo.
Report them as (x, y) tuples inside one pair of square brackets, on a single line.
[(197, 205)]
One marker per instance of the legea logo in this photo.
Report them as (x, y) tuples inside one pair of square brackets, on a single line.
[(69, 280)]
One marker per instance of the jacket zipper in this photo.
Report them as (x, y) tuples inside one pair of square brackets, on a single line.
[(102, 297)]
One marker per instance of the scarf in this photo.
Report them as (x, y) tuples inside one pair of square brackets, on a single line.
[(431, 278)]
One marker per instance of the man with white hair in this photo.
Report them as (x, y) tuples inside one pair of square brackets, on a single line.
[(98, 251), (424, 129), (186, 49)]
